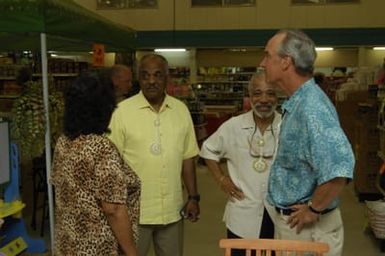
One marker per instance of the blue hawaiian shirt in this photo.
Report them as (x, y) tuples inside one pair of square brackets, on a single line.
[(313, 148)]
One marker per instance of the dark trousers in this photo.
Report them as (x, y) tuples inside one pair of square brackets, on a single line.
[(267, 231)]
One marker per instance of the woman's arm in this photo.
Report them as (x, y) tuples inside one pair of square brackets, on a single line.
[(120, 223)]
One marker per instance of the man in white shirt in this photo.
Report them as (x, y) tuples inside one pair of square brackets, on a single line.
[(248, 143)]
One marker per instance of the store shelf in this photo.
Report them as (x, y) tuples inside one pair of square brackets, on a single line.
[(9, 96), (58, 75), (381, 155), (7, 77), (219, 92), (226, 74), (222, 99), (222, 82), (7, 209), (15, 247), (7, 115), (223, 86)]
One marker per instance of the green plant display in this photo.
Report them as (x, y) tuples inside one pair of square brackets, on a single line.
[(28, 118)]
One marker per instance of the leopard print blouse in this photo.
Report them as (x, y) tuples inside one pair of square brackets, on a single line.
[(85, 172)]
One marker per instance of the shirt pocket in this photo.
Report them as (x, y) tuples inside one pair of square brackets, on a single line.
[(174, 136), (288, 158)]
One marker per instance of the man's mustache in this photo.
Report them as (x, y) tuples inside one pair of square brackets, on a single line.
[(152, 87), (269, 105)]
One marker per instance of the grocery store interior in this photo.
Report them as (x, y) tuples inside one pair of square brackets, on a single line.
[(218, 45)]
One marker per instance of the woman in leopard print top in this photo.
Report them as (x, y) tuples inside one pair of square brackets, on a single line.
[(96, 192)]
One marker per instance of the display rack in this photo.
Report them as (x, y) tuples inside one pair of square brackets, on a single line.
[(180, 88), (61, 73), (180, 75), (14, 237), (223, 86)]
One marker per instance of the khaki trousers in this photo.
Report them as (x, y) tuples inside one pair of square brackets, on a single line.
[(328, 229), (167, 239)]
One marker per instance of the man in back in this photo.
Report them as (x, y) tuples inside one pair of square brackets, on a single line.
[(121, 77)]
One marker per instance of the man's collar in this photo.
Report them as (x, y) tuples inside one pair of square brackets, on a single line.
[(291, 102), (143, 102), (248, 120)]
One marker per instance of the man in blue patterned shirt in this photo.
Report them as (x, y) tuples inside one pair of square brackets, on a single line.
[(314, 159)]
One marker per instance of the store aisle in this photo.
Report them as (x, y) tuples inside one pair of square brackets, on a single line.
[(202, 238)]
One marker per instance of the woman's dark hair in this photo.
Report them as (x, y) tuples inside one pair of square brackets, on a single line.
[(89, 103)]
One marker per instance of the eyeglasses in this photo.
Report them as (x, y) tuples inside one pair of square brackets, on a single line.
[(260, 143)]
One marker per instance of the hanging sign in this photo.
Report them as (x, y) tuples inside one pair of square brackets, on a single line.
[(98, 55)]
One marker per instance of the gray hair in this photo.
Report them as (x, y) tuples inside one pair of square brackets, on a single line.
[(162, 59), (117, 69), (300, 48), (259, 74)]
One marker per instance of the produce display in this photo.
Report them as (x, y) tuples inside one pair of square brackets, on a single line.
[(28, 118)]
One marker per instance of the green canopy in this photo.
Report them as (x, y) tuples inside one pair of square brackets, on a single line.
[(68, 26), (60, 25)]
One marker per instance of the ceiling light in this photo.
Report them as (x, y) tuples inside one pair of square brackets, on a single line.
[(170, 50), (237, 50), (379, 48), (319, 49)]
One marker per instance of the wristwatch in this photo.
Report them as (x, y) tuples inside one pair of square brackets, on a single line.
[(196, 197), (309, 204)]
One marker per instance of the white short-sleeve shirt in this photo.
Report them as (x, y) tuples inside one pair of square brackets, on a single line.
[(232, 142)]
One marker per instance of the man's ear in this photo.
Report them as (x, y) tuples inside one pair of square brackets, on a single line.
[(286, 62)]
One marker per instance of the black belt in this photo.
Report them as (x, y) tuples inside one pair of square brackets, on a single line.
[(289, 211)]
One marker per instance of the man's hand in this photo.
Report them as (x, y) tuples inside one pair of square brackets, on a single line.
[(301, 217), (229, 188), (192, 210)]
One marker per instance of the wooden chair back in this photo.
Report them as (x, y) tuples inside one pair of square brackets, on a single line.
[(265, 247)]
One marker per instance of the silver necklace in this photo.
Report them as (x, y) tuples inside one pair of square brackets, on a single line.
[(260, 164), (155, 147)]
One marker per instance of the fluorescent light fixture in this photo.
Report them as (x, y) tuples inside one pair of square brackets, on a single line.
[(320, 49), (379, 48), (237, 50), (170, 50)]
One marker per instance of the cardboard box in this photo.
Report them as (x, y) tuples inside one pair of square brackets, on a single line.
[(367, 137), (381, 130), (368, 112), (366, 170), (347, 115), (365, 183)]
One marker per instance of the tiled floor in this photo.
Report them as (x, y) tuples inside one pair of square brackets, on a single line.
[(202, 238)]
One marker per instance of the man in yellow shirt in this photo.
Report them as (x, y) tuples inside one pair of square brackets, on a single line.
[(155, 134)]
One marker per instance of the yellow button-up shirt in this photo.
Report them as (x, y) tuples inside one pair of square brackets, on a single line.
[(135, 127)]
